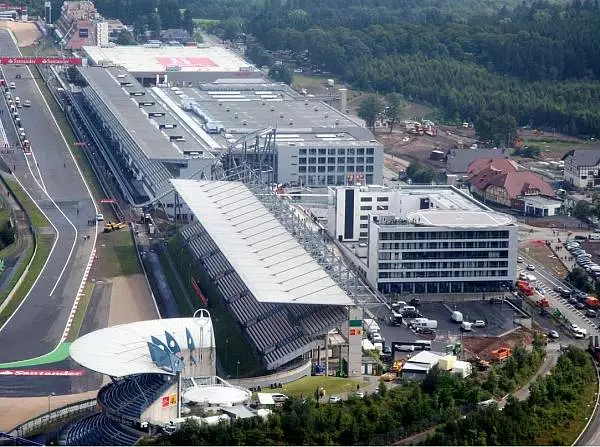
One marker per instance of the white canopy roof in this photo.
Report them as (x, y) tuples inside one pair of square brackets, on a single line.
[(123, 350), (268, 259)]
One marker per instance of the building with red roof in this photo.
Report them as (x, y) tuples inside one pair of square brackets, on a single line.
[(499, 181)]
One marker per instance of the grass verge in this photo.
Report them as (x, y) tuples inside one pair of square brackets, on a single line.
[(232, 346), (80, 312), (37, 219), (181, 295), (116, 255), (332, 385), (44, 245)]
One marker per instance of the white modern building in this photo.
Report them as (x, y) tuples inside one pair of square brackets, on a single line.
[(425, 239)]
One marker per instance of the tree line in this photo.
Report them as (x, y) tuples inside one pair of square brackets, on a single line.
[(372, 420)]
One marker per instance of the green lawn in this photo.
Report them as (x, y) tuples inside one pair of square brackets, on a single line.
[(116, 255), (231, 344), (44, 244), (181, 296), (332, 385), (80, 312), (552, 144), (35, 215)]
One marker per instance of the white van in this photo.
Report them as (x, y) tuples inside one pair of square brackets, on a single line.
[(408, 309), (595, 237), (18, 101)]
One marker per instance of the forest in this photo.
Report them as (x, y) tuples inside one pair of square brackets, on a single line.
[(441, 400), (536, 61)]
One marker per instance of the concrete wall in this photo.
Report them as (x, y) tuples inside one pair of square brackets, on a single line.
[(278, 377)]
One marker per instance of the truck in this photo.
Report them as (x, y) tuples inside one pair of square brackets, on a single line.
[(371, 326), (457, 316), (594, 347), (428, 324)]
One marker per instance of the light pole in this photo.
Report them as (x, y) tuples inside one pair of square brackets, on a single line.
[(238, 369), (49, 396)]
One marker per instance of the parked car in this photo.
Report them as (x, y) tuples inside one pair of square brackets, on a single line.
[(590, 313), (531, 267), (415, 302), (479, 323), (580, 305), (580, 238), (405, 348), (520, 259), (496, 300), (558, 289), (553, 334), (12, 86)]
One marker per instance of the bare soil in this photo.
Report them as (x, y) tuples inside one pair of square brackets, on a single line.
[(25, 32), (539, 251), (130, 301), (483, 346)]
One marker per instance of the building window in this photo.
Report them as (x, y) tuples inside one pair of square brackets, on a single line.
[(321, 168), (350, 160), (341, 168), (341, 151), (364, 217), (322, 160), (331, 179), (301, 168), (364, 234), (350, 151), (322, 151), (360, 151), (366, 199), (312, 160), (360, 169), (312, 152), (369, 159), (330, 151), (302, 151), (312, 169), (330, 168), (383, 199), (360, 160), (370, 151), (366, 208), (370, 168), (331, 160), (341, 160), (364, 225), (302, 160)]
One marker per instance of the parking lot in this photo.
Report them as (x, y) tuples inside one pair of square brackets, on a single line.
[(499, 319)]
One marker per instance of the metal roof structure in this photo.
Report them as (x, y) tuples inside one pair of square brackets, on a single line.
[(460, 218), (122, 350), (267, 258), (140, 58), (151, 141)]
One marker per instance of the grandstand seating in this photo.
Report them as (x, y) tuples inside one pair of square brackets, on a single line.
[(97, 429), (132, 395), (280, 332)]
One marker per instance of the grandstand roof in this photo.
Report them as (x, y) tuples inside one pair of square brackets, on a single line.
[(123, 350), (268, 259)]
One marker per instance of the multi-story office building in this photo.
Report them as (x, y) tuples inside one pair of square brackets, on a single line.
[(432, 239)]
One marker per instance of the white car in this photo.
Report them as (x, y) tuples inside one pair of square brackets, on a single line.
[(377, 338), (100, 217), (12, 86), (520, 259), (531, 267), (334, 399), (405, 348), (279, 397), (27, 103)]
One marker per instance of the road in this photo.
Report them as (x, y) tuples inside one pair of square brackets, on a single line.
[(53, 180)]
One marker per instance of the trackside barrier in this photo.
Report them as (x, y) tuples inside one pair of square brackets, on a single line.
[(591, 418), (60, 414), (282, 377)]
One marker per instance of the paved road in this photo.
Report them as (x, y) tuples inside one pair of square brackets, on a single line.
[(51, 177)]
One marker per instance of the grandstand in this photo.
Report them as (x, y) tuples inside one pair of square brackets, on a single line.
[(283, 299), (151, 365)]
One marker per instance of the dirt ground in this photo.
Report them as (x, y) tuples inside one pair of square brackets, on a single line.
[(410, 147), (15, 411), (539, 251), (25, 32), (130, 300), (482, 346)]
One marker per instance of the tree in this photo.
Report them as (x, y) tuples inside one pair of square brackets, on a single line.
[(499, 129), (188, 22), (393, 110), (578, 278), (232, 28), (370, 109), (582, 209), (155, 24), (125, 38), (281, 73), (419, 173)]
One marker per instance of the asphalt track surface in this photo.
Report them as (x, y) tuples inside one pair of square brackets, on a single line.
[(52, 179)]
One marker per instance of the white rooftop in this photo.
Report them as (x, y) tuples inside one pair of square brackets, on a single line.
[(137, 58), (268, 259), (218, 395), (460, 218), (122, 350)]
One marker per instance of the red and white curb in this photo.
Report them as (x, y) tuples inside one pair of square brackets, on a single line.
[(80, 294)]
